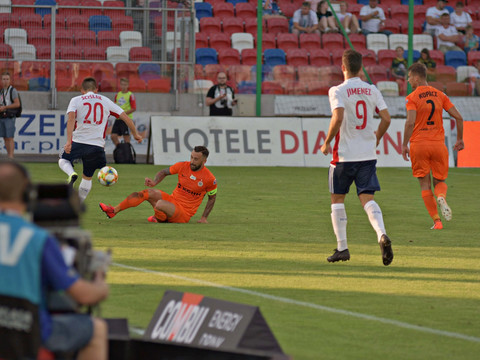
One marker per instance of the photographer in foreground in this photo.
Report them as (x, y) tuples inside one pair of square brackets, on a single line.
[(32, 265)]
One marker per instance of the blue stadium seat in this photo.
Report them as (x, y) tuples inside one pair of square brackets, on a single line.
[(416, 55), (43, 11), (363, 2), (267, 72), (203, 9), (149, 71), (247, 87), (455, 58), (235, 2), (39, 84), (99, 23), (274, 57), (415, 2), (206, 56)]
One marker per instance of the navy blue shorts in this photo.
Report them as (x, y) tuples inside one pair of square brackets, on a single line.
[(93, 157), (343, 174), (120, 128)]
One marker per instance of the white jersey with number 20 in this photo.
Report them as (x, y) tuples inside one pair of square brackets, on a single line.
[(356, 140), (91, 113)]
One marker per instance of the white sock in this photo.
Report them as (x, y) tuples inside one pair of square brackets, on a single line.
[(375, 216), (339, 222), (66, 166), (84, 189)]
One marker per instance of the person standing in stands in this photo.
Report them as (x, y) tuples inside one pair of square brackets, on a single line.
[(7, 113), (221, 97), (126, 100)]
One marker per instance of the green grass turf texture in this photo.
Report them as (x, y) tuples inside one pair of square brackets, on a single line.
[(270, 232)]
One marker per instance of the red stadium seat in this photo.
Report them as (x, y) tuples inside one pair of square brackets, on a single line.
[(239, 73), (358, 41), (210, 25), (332, 41), (456, 89), (332, 73), (136, 84), (103, 70), (64, 12), (308, 73), (297, 57), (71, 53), (108, 38), (277, 25), (44, 52), (162, 85), (140, 53), (319, 57), (8, 20), (377, 73), (249, 56), (392, 25), (400, 12), (295, 88), (219, 41), (94, 53), (272, 87), (31, 21), (228, 56), (223, 9), (64, 37), (122, 23), (439, 57), (472, 57), (32, 69), (445, 73), (310, 41), (86, 7), (85, 38), (318, 87), (23, 10), (251, 26), (59, 22), (232, 25), (77, 22), (368, 56), (284, 73), (201, 40), (113, 13), (39, 37), (126, 70), (437, 85), (268, 41), (288, 9), (287, 41), (337, 55), (245, 10), (385, 57)]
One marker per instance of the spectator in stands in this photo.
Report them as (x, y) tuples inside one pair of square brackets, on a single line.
[(430, 64), (7, 113), (326, 21), (221, 97), (305, 20), (271, 10), (470, 39), (459, 18), (348, 20), (475, 79), (373, 19), (447, 35), (433, 16), (126, 100), (399, 67)]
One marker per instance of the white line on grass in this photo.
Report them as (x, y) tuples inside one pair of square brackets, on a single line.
[(309, 305)]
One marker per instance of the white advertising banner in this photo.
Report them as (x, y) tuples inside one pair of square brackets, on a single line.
[(45, 133), (234, 141)]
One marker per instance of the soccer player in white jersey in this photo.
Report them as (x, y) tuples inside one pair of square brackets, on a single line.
[(353, 104), (86, 126)]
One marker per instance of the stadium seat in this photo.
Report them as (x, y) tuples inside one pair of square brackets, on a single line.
[(15, 36), (437, 56), (287, 41), (400, 11), (396, 40), (422, 41), (212, 70), (129, 39), (473, 57), (319, 57), (85, 39), (44, 52), (77, 22), (247, 87), (274, 57), (369, 57), (358, 41), (388, 88), (107, 84), (445, 73), (223, 10), (232, 25), (220, 41), (136, 84), (332, 41), (39, 84), (336, 55), (43, 11), (23, 10), (6, 51), (245, 10), (308, 73), (464, 72), (288, 9), (455, 58), (94, 53), (24, 52), (385, 57), (392, 25), (268, 41), (277, 25), (267, 72), (161, 85), (297, 57), (310, 41), (377, 73), (21, 85), (65, 12), (33, 69), (284, 73), (126, 70), (99, 23), (9, 21), (272, 87), (417, 25), (318, 87), (122, 23), (102, 70), (238, 73), (242, 41), (377, 42), (228, 56), (456, 89), (201, 40), (64, 37), (206, 56), (210, 25), (71, 53), (295, 88), (59, 22), (88, 7), (203, 10), (108, 38), (117, 54), (251, 26), (113, 13), (31, 21), (141, 53), (249, 56)]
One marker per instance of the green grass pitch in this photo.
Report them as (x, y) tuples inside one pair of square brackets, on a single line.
[(266, 245)]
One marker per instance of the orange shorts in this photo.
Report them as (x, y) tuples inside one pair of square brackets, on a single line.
[(431, 156), (180, 215)]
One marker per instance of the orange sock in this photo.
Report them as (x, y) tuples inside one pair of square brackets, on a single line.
[(441, 190), (430, 204), (133, 200), (160, 215)]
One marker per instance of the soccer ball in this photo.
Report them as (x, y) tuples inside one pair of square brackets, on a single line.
[(107, 176)]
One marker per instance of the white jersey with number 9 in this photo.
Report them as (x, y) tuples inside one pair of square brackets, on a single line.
[(91, 113)]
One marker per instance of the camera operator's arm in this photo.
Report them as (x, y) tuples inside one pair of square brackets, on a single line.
[(158, 178), (89, 293)]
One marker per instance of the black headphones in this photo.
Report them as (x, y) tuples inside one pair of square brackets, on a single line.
[(27, 191)]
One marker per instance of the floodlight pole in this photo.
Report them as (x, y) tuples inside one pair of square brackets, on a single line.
[(259, 58), (410, 41)]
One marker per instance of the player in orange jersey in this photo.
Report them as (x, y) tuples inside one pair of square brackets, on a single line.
[(194, 181), (424, 131)]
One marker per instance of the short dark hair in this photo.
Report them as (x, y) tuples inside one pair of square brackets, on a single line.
[(307, 4), (202, 149), (352, 60), (6, 73), (418, 69), (89, 83), (14, 181)]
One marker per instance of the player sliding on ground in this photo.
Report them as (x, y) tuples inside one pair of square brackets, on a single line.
[(353, 105), (424, 131), (194, 181)]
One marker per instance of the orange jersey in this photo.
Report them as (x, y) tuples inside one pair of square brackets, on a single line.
[(192, 186), (429, 104)]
